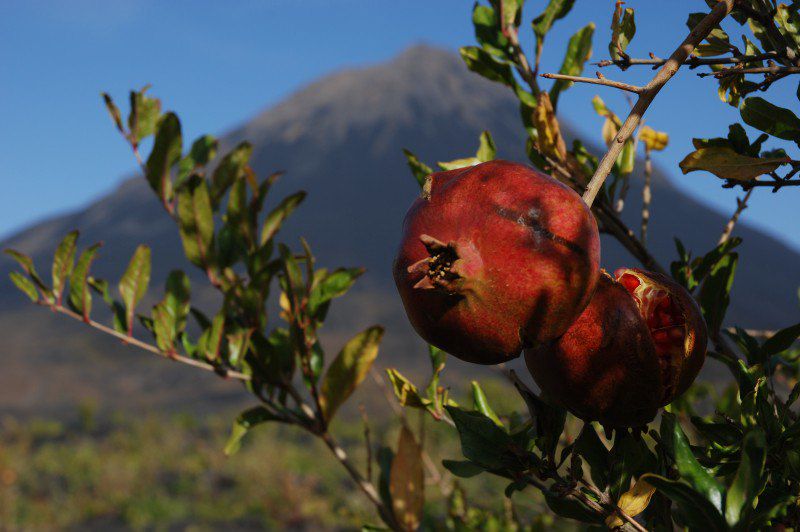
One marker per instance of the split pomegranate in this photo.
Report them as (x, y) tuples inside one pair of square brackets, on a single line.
[(496, 257), (639, 344)]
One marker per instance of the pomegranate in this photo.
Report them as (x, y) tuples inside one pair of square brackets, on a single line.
[(494, 258), (639, 344)]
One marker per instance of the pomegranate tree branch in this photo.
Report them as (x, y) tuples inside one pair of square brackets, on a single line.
[(692, 62), (599, 80), (774, 70), (649, 92), (365, 485), (741, 204), (224, 372)]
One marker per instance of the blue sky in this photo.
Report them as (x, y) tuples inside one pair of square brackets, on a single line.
[(218, 63)]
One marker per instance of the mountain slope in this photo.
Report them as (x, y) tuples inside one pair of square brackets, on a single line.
[(340, 139)]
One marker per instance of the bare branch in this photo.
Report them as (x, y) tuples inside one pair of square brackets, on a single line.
[(774, 70), (692, 62), (224, 372), (669, 69), (599, 80), (741, 204)]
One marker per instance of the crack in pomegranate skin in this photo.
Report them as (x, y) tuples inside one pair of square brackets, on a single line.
[(665, 321)]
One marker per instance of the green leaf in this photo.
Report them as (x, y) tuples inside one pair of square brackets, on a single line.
[(166, 153), (462, 468), (113, 111), (589, 447), (349, 369), (487, 151), (246, 421), (169, 316), (789, 22), (333, 285), (623, 28), (27, 265), (203, 150), (699, 512), (405, 391), (481, 62), (725, 163), (80, 297), (133, 285), (689, 468), (209, 344), (482, 441), (144, 116), (196, 221), (26, 285), (276, 217), (555, 10), (579, 50), (769, 118), (481, 404), (117, 309), (63, 262), (230, 168), (571, 509), (747, 484), (419, 170), (781, 340), (715, 292)]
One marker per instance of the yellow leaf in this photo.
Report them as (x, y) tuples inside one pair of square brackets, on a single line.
[(407, 481), (459, 163), (653, 140), (550, 141), (632, 502), (609, 131), (725, 163)]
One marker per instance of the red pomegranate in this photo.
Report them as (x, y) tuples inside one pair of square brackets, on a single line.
[(639, 344), (496, 257)]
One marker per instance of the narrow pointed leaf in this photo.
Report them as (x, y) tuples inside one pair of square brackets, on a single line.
[(246, 421), (134, 282), (230, 168), (349, 369), (169, 315), (63, 261), (747, 484), (25, 285), (419, 170), (481, 404), (80, 296), (277, 216), (203, 150), (579, 50), (113, 111), (196, 221), (167, 149), (27, 264), (487, 150), (209, 346), (690, 469), (781, 340), (701, 514), (623, 28)]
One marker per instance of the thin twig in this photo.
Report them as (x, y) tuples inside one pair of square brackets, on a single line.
[(366, 486), (692, 62), (599, 80), (647, 195), (667, 71), (367, 441), (224, 372), (741, 204), (775, 70)]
